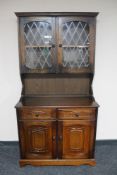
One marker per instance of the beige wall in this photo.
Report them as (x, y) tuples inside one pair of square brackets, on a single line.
[(105, 81)]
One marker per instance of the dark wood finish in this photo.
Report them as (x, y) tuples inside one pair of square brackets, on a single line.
[(57, 113), (60, 139), (29, 14), (56, 51), (38, 138), (58, 75), (91, 23), (36, 113), (77, 113), (27, 20), (57, 86), (77, 136), (58, 162), (57, 101)]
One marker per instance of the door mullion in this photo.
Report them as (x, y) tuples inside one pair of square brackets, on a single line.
[(58, 41), (60, 139)]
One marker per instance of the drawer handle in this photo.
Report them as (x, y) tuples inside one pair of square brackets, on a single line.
[(77, 114), (37, 113)]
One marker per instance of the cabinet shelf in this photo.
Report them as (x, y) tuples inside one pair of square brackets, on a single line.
[(38, 46), (75, 46), (49, 46)]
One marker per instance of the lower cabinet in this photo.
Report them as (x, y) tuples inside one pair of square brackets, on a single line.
[(57, 138), (71, 139)]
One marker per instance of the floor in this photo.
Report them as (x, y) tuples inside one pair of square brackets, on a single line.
[(106, 157)]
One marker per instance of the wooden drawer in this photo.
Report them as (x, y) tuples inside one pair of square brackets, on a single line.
[(76, 113), (37, 113)]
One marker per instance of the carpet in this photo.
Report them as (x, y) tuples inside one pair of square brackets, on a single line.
[(106, 157)]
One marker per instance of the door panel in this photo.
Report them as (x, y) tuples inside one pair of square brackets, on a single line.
[(40, 139), (77, 138), (37, 44), (74, 41)]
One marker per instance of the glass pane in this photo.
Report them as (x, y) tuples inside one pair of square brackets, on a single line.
[(75, 42), (38, 58), (75, 57), (38, 41)]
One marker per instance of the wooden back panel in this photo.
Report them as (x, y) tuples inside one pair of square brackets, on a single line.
[(57, 86)]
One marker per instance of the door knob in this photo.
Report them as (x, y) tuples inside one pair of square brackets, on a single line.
[(60, 45), (53, 138), (60, 137), (53, 45)]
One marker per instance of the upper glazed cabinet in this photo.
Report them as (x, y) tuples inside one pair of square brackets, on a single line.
[(57, 44)]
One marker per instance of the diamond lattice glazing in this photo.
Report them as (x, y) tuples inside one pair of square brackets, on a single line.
[(75, 40), (38, 36)]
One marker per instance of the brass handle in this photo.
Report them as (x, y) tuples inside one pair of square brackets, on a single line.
[(77, 114), (37, 115)]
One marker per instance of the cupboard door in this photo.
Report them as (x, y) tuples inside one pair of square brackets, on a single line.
[(76, 44), (37, 44), (38, 139), (76, 139)]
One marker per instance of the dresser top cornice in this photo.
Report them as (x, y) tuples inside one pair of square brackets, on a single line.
[(84, 14)]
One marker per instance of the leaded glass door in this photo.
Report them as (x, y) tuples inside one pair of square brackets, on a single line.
[(38, 48), (75, 44)]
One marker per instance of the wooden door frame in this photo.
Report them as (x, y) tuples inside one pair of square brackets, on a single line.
[(24, 20), (92, 30)]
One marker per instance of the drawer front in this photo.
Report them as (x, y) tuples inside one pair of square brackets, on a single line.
[(37, 113), (76, 113)]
